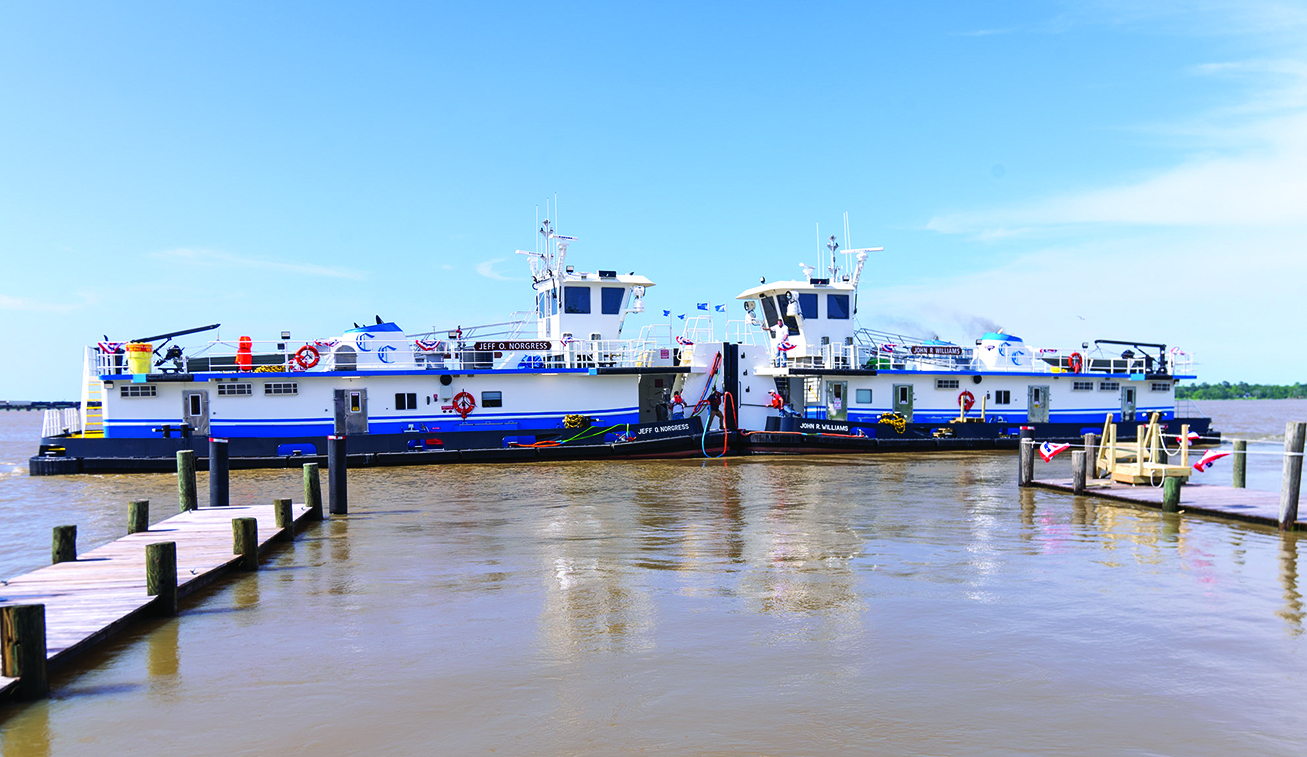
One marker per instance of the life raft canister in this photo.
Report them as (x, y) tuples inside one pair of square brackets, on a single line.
[(244, 354)]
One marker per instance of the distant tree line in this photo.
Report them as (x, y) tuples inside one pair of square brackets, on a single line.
[(1241, 391)]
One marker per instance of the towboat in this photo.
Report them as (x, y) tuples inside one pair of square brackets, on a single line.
[(812, 380), (559, 381)]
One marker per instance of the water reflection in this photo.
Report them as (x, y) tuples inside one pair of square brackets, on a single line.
[(1293, 609), (26, 731)]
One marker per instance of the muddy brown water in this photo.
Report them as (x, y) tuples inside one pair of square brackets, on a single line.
[(889, 604)]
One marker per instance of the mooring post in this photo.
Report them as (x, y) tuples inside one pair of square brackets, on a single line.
[(219, 467), (1027, 457), (1295, 433), (1078, 471), (245, 542), (285, 519), (337, 486), (22, 649), (1091, 455), (1171, 494), (186, 480), (161, 576), (313, 491), (63, 547), (1240, 464), (138, 516)]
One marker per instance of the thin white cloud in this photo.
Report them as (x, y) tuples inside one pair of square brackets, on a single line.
[(487, 269), (212, 258), (33, 306)]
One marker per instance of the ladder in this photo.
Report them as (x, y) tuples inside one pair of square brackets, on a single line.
[(92, 397)]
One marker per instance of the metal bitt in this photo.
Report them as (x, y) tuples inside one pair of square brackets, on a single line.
[(1027, 457), (219, 467), (337, 494)]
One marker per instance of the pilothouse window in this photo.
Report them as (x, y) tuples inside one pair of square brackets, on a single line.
[(837, 307), (611, 300), (576, 300), (808, 305), (769, 311)]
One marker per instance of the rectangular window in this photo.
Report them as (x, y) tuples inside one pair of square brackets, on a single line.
[(406, 401), (235, 390), (1160, 386), (837, 307), (1082, 386), (576, 300), (1108, 386), (492, 399), (281, 388), (137, 390), (808, 305), (611, 300), (195, 405), (769, 311), (864, 396), (1002, 397), (946, 383), (905, 395)]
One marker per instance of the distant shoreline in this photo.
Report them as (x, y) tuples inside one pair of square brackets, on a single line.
[(1241, 391)]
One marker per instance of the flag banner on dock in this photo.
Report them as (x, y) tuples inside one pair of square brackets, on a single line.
[(702, 306), (1049, 450), (1193, 437), (683, 340), (1210, 457), (887, 347), (110, 347), (427, 345), (325, 342)]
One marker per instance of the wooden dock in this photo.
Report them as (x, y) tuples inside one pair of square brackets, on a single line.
[(1246, 505), (90, 598)]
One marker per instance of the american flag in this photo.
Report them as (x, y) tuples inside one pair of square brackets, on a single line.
[(1049, 450), (1210, 457)]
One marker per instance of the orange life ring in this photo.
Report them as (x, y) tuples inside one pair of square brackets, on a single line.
[(967, 400), (464, 404), (307, 356), (1077, 362)]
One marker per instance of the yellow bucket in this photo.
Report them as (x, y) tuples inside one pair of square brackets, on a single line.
[(138, 357)]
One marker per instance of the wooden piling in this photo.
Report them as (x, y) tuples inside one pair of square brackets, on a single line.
[(313, 491), (1295, 433), (138, 516), (186, 480), (1078, 471), (285, 519), (1171, 494), (1091, 455), (337, 475), (245, 542), (219, 468), (22, 649), (161, 576), (1026, 457), (1240, 464), (63, 545)]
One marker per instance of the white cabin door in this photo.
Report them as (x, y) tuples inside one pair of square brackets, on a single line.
[(1037, 404), (195, 411)]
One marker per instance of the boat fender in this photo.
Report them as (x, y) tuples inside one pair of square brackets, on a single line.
[(967, 400), (307, 356), (1077, 362)]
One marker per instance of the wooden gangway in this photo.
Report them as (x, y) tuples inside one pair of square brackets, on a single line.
[(91, 597)]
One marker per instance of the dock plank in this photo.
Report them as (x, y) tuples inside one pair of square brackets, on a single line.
[(1247, 505), (89, 598)]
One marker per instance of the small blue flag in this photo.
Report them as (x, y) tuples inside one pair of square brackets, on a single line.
[(667, 314), (721, 308), (703, 306), (681, 316)]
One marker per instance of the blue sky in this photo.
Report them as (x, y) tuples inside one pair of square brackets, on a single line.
[(1068, 170)]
